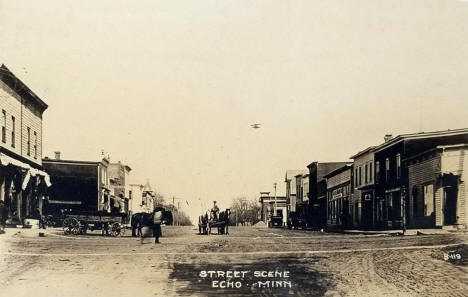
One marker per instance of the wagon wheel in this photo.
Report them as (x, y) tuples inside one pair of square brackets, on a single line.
[(116, 229), (65, 224), (71, 226), (122, 230), (84, 228)]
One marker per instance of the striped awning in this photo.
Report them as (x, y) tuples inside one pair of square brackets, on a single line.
[(30, 171)]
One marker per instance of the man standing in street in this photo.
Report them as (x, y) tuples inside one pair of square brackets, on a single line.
[(157, 220)]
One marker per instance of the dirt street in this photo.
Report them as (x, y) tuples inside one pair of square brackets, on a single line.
[(250, 261)]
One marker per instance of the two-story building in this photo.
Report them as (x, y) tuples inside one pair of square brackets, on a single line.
[(437, 195), (142, 197), (391, 176), (291, 188), (119, 184), (272, 205), (318, 191), (363, 198), (22, 180), (339, 196)]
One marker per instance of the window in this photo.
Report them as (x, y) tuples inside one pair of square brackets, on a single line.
[(35, 145), (398, 165), (377, 171), (428, 200), (29, 141), (356, 177), (387, 169), (13, 131), (371, 173), (360, 176), (366, 179), (3, 126)]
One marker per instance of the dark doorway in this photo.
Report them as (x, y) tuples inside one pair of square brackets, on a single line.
[(450, 205), (367, 212)]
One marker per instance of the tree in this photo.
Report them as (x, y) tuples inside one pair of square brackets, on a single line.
[(244, 211)]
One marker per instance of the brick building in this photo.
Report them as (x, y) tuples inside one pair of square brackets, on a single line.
[(22, 180), (437, 187), (339, 196)]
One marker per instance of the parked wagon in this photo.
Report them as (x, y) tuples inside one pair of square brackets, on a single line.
[(108, 223)]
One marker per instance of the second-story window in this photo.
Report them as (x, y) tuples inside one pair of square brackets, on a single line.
[(35, 145), (360, 176), (366, 174), (356, 177), (387, 169), (13, 131), (3, 126), (371, 173), (398, 166), (29, 141), (377, 171)]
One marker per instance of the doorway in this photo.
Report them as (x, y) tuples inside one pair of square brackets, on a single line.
[(450, 205)]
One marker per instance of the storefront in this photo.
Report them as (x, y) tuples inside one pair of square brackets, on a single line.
[(22, 188)]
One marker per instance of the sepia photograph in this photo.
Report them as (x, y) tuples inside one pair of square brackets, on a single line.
[(234, 148)]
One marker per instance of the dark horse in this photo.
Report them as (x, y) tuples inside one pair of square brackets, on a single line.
[(143, 219), (224, 216), (222, 223)]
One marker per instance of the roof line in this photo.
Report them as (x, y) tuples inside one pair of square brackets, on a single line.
[(24, 86), (419, 135)]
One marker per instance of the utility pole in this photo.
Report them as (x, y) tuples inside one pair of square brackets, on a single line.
[(275, 199), (173, 204), (178, 209)]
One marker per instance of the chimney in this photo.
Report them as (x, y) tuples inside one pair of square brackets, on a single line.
[(57, 155), (387, 137)]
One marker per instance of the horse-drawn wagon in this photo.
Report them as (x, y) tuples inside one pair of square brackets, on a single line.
[(221, 222), (108, 223)]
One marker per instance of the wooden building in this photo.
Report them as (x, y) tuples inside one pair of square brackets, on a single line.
[(318, 191), (391, 174), (437, 194), (22, 180), (339, 197)]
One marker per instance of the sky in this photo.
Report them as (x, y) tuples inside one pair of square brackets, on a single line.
[(171, 87)]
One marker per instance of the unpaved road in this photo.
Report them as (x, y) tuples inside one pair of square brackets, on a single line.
[(301, 263)]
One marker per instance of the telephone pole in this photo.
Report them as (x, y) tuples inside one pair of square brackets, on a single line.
[(275, 199), (178, 209)]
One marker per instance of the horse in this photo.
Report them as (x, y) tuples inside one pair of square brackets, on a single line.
[(203, 224), (222, 223), (227, 220), (144, 219)]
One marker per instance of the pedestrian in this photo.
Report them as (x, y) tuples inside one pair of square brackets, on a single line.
[(2, 216), (157, 220), (37, 215)]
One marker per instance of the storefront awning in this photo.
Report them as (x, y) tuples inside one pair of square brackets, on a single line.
[(7, 160)]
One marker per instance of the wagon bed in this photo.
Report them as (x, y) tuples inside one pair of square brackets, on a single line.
[(80, 223)]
